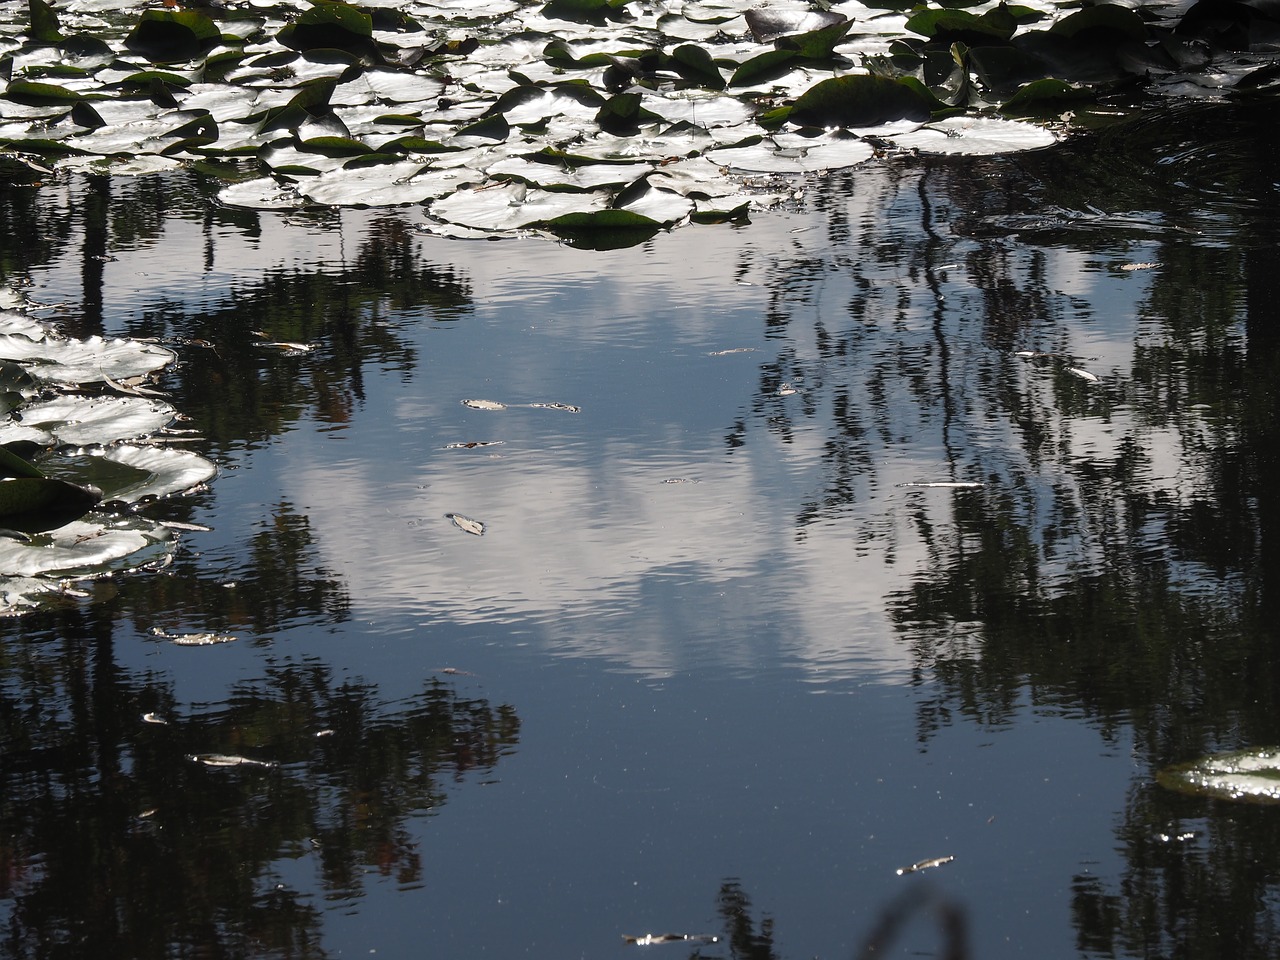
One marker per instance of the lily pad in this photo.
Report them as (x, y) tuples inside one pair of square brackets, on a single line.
[(1248, 776), (862, 101)]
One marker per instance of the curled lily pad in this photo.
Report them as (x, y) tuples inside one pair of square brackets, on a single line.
[(1249, 776), (163, 471)]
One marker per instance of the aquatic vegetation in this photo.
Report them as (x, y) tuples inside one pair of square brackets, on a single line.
[(566, 118), (76, 455)]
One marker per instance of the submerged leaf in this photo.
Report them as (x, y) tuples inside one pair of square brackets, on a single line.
[(1250, 776)]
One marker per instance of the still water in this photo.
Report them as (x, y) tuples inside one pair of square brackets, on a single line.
[(925, 518)]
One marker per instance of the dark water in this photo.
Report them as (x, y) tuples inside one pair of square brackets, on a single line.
[(716, 665)]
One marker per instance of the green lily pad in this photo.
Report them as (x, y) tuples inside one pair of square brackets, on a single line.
[(862, 101), (173, 36), (33, 504), (44, 22), (1248, 776)]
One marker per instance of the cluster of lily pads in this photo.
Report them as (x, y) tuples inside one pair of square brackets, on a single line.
[(499, 115), (84, 442), (572, 115)]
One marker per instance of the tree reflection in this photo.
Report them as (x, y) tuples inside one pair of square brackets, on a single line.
[(117, 842), (1120, 561)]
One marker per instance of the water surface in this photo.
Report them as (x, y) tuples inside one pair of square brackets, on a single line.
[(925, 518)]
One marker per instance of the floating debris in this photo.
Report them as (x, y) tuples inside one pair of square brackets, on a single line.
[(325, 733), (945, 484), (1083, 374), (563, 407), (288, 347), (1139, 266), (455, 672), (153, 718), (924, 865), (498, 405), (649, 939), (787, 390), (681, 480), (229, 760), (466, 524), (193, 639), (725, 353), (472, 444)]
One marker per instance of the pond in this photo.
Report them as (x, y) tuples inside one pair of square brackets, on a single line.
[(557, 597)]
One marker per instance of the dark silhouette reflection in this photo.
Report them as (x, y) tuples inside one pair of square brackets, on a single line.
[(744, 939), (120, 841), (346, 317), (270, 582)]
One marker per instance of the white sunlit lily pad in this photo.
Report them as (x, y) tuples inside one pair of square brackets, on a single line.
[(123, 166), (387, 184), (19, 323), (85, 421), (974, 136), (262, 193), (84, 548), (661, 206), (701, 109), (588, 177), (84, 361), (167, 471), (695, 177), (768, 156), (512, 206)]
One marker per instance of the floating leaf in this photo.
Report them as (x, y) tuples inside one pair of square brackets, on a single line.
[(44, 22), (229, 760), (12, 465), (34, 93), (164, 471), (976, 136), (769, 23), (924, 865), (952, 25), (861, 101), (1250, 776), (168, 36), (194, 639), (80, 548), (466, 524), (84, 361), (331, 25), (816, 44)]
